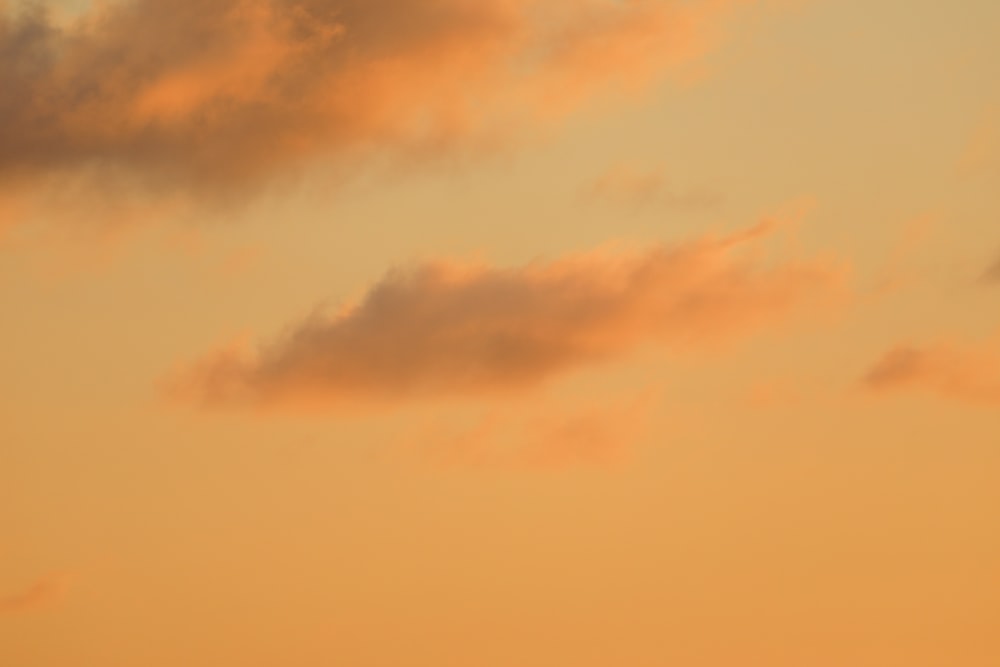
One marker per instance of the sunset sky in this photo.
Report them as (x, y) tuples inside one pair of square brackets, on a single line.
[(500, 333)]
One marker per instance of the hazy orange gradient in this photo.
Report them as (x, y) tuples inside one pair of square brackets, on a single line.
[(499, 333)]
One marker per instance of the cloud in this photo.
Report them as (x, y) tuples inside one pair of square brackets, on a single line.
[(991, 276), (636, 186), (213, 96), (960, 370), (441, 329), (546, 436), (982, 150), (39, 594)]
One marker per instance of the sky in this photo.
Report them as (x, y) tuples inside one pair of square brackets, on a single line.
[(499, 333)]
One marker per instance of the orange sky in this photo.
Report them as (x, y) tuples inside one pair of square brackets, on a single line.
[(499, 333)]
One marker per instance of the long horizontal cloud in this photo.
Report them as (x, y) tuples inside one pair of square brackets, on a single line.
[(214, 95), (443, 329), (964, 371)]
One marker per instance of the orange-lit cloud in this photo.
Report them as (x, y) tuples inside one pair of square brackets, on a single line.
[(39, 594), (213, 95), (544, 437), (965, 371), (445, 329)]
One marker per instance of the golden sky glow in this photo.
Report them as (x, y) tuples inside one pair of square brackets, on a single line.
[(500, 333)]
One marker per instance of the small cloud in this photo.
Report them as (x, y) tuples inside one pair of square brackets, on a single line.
[(631, 185), (982, 149), (539, 437), (991, 276), (959, 370), (445, 329), (39, 594)]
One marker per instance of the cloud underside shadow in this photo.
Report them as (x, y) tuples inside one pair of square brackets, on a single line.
[(966, 371), (215, 96), (443, 329)]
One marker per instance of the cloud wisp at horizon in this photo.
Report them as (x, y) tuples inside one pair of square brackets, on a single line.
[(444, 329)]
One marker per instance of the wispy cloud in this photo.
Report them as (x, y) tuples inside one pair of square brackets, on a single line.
[(447, 329), (39, 594), (982, 150), (961, 370), (546, 436), (991, 276), (912, 238), (210, 96), (636, 186)]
